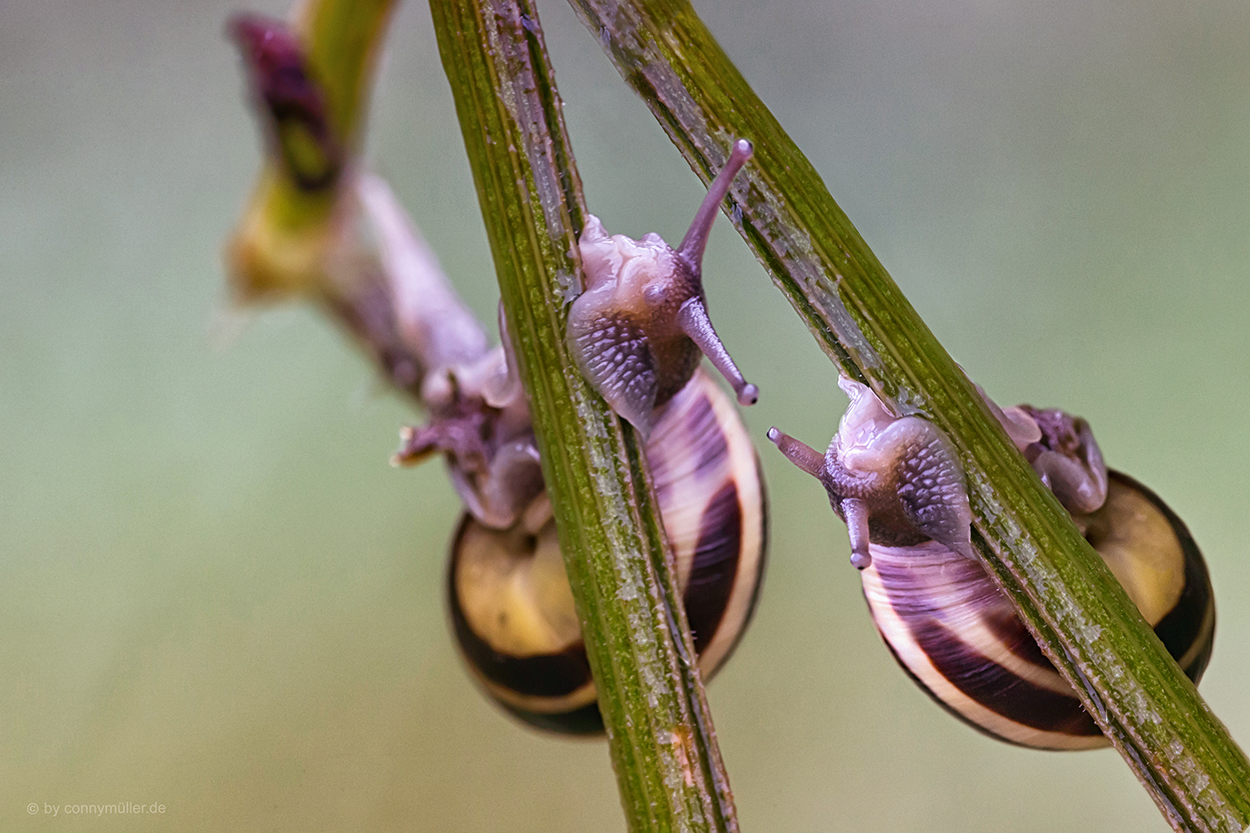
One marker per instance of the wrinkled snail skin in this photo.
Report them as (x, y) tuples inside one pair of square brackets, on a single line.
[(511, 607), (947, 622)]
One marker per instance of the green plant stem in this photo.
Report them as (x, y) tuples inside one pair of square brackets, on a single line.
[(662, 745), (1080, 615), (343, 38)]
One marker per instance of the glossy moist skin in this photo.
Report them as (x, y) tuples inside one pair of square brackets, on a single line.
[(511, 607), (956, 634)]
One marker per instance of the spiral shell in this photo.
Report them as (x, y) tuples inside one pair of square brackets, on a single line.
[(956, 633), (511, 607)]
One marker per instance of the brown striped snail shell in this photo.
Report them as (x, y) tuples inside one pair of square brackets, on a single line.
[(637, 333), (511, 607), (945, 620)]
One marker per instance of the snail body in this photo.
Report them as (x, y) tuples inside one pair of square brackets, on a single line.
[(940, 613), (639, 327)]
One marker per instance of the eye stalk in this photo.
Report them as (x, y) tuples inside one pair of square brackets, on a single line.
[(894, 481), (639, 327)]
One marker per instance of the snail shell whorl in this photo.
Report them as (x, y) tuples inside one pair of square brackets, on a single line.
[(957, 635), (511, 607)]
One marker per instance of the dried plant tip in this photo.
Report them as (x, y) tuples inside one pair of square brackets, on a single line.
[(293, 101)]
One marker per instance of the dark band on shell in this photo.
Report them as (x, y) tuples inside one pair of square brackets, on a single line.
[(958, 636), (512, 610)]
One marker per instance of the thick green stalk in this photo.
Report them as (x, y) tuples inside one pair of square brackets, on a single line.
[(1084, 622), (660, 735)]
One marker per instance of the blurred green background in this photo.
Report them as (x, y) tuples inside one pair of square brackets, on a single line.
[(215, 594)]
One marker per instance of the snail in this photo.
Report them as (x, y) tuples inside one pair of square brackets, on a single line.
[(635, 332), (898, 485), (510, 603), (511, 607)]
